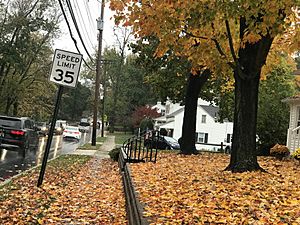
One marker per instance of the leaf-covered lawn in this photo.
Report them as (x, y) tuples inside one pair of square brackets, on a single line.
[(76, 190), (195, 190)]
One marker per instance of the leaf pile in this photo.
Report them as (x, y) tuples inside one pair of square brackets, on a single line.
[(76, 190), (195, 190)]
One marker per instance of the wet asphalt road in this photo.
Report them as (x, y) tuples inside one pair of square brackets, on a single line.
[(12, 163)]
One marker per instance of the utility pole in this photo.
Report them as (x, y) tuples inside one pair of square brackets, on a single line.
[(103, 100), (100, 23)]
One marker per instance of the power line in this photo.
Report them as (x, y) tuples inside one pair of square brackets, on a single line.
[(70, 32), (92, 23), (78, 11), (77, 28)]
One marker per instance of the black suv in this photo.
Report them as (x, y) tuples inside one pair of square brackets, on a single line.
[(18, 134)]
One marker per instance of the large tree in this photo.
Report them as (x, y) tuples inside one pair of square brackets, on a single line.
[(214, 34), (126, 89), (27, 31), (171, 78), (75, 103)]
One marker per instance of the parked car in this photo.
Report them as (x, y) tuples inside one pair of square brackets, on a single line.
[(59, 126), (84, 125), (42, 128), (18, 134), (162, 142), (72, 133)]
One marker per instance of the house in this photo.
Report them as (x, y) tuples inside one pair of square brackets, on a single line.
[(160, 108), (293, 132), (209, 133)]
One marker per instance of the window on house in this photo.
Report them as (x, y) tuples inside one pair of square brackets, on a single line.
[(201, 137), (203, 119), (228, 138)]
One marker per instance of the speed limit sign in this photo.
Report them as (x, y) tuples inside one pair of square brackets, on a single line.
[(65, 68)]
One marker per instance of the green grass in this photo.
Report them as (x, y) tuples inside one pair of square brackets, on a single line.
[(88, 146), (101, 139), (120, 137)]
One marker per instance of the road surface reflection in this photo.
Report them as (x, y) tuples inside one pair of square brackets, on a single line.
[(12, 163)]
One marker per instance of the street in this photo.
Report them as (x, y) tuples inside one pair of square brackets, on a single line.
[(12, 163)]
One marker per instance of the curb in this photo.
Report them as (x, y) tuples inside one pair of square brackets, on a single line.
[(134, 208)]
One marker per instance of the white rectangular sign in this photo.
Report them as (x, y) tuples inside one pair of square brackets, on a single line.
[(65, 68)]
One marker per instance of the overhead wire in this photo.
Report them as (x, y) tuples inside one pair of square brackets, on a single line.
[(92, 23), (77, 29), (82, 23), (71, 34)]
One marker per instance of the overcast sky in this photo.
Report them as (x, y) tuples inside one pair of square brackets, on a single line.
[(86, 13)]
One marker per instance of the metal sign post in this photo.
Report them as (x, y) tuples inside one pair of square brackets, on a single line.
[(65, 71), (50, 136)]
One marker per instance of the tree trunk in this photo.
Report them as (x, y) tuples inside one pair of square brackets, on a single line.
[(187, 140), (15, 108), (243, 153), (8, 104), (247, 75)]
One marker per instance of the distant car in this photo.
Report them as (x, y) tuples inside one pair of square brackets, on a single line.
[(18, 134), (42, 128), (61, 123), (162, 142), (59, 127), (72, 133), (84, 125)]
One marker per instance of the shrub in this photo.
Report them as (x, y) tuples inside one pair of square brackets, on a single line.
[(296, 154), (114, 154), (279, 151)]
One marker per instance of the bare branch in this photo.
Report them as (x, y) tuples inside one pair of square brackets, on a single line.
[(230, 41), (193, 35)]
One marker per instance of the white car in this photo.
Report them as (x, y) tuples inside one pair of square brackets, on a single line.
[(72, 132)]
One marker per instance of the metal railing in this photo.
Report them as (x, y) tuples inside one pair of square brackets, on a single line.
[(141, 148)]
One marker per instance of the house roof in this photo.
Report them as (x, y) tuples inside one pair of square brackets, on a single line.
[(161, 118), (292, 98), (175, 112), (211, 110), (169, 125)]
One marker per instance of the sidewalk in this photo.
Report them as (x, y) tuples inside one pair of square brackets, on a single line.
[(103, 151), (108, 145)]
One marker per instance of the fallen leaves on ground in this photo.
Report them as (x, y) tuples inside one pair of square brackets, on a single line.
[(76, 190), (182, 189)]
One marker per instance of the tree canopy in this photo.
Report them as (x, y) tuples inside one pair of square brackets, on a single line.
[(27, 31), (208, 32), (221, 36)]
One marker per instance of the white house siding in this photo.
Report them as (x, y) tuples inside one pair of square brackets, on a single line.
[(160, 108), (293, 112), (293, 136), (293, 116), (172, 107), (178, 121), (217, 132), (293, 139)]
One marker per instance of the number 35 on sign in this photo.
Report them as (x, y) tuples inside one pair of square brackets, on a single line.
[(65, 68)]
